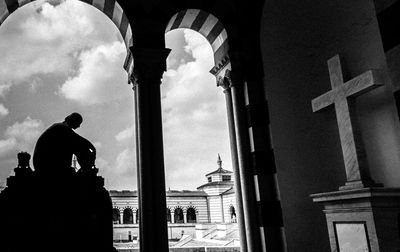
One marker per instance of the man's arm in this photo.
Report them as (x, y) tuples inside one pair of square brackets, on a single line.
[(84, 151)]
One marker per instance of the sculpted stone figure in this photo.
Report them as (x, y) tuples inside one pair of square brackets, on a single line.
[(55, 147)]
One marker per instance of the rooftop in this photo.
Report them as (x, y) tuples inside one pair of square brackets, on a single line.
[(216, 183), (170, 193), (220, 169)]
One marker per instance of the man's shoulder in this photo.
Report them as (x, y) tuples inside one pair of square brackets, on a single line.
[(58, 128), (59, 125)]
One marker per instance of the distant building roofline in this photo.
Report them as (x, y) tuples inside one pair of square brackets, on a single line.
[(219, 170), (215, 183), (169, 193)]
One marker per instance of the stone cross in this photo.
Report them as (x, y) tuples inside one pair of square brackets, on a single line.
[(341, 96)]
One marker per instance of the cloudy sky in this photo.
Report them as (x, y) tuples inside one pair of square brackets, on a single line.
[(64, 57)]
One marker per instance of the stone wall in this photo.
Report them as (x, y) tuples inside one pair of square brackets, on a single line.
[(297, 39), (174, 231)]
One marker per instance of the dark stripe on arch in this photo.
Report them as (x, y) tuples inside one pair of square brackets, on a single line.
[(123, 27), (199, 20), (263, 163), (12, 5), (88, 1), (215, 31), (270, 213), (109, 8), (221, 51), (258, 115), (178, 20)]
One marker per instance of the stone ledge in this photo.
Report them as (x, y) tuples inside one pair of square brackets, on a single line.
[(374, 192)]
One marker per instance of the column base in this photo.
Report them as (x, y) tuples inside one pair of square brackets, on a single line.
[(364, 219)]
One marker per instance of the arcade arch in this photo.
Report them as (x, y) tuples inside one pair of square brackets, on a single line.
[(128, 216), (244, 97), (116, 216), (178, 215), (191, 215), (168, 215)]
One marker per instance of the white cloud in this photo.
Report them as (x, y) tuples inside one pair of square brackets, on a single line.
[(198, 46), (102, 163), (68, 20), (122, 174), (6, 145), (21, 136), (101, 77), (194, 117), (125, 135), (98, 145), (4, 88), (47, 39), (3, 111), (124, 162)]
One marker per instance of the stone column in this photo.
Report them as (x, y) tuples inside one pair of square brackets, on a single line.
[(121, 216), (250, 214), (172, 217), (149, 66), (225, 84), (134, 217), (184, 216)]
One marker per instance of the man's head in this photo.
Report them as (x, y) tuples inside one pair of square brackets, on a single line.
[(74, 120)]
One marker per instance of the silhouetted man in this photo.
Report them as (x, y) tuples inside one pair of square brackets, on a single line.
[(54, 148)]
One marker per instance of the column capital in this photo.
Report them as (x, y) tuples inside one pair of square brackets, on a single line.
[(224, 83), (234, 77), (149, 65)]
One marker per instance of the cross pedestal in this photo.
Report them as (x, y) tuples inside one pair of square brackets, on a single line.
[(364, 219), (361, 215)]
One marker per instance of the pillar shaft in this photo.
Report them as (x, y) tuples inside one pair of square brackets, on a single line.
[(250, 214), (148, 69), (172, 217), (121, 217), (235, 165)]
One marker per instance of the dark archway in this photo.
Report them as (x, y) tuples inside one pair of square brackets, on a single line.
[(137, 216), (191, 215), (232, 213), (128, 216), (178, 215), (116, 216)]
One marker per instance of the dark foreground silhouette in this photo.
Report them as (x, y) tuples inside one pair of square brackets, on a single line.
[(55, 147), (69, 211)]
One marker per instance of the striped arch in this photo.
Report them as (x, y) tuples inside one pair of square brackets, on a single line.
[(125, 207), (110, 8), (177, 206), (191, 206), (211, 28), (117, 207)]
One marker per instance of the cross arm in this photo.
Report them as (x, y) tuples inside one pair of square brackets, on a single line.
[(323, 101), (363, 83)]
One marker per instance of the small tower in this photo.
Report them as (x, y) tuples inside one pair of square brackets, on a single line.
[(219, 162), (218, 181)]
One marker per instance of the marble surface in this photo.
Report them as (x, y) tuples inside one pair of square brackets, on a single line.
[(341, 97)]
